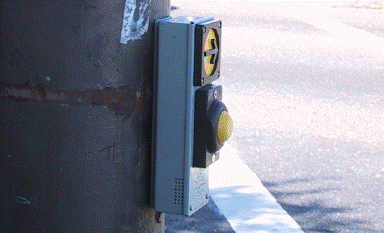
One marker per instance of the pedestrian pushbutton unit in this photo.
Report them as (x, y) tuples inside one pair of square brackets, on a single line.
[(191, 123)]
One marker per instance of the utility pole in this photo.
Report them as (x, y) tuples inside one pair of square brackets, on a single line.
[(75, 115)]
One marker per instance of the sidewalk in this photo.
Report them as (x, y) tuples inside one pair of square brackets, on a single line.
[(239, 203)]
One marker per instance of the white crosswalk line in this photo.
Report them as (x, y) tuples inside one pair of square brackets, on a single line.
[(244, 201)]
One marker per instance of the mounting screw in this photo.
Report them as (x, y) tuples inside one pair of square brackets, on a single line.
[(48, 78), (206, 196), (202, 81), (215, 94), (22, 201), (190, 208), (213, 158)]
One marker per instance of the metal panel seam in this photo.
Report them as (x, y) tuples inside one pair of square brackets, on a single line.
[(189, 121)]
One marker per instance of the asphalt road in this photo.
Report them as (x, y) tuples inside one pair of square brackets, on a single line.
[(304, 83)]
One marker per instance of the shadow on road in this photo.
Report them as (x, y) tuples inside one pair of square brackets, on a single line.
[(207, 219), (317, 216)]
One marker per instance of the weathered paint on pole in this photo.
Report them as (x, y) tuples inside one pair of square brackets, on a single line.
[(75, 113)]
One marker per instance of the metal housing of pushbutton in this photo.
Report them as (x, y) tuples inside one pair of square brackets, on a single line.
[(177, 187), (182, 90)]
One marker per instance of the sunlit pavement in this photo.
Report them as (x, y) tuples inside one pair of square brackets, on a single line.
[(305, 87), (244, 201)]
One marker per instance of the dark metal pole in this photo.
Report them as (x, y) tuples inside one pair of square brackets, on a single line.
[(75, 113)]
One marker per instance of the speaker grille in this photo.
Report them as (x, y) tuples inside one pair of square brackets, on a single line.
[(179, 191)]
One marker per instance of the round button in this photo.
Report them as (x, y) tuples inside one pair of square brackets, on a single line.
[(224, 127)]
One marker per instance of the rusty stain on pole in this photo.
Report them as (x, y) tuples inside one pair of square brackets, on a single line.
[(122, 101)]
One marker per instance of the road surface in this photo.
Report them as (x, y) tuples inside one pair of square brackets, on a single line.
[(304, 83)]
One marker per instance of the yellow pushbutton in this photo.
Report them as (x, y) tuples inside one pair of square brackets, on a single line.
[(224, 127)]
